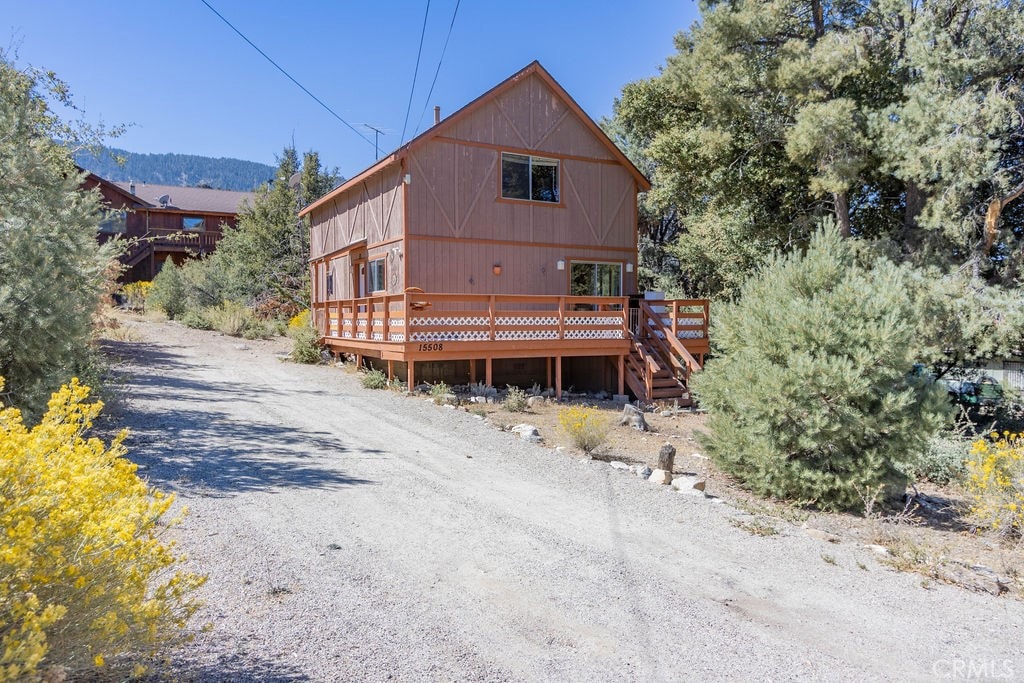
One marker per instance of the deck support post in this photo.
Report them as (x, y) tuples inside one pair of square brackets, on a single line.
[(391, 371), (359, 360), (488, 371), (472, 371), (411, 374), (558, 378), (622, 375), (547, 362)]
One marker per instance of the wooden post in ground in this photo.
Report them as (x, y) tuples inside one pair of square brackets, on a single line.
[(488, 371), (558, 377), (548, 363), (472, 371), (622, 375), (359, 360), (410, 374), (391, 370)]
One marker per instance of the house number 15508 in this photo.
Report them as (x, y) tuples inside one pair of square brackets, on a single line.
[(433, 346)]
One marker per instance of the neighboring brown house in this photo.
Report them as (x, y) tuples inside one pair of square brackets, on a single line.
[(164, 221), (500, 246)]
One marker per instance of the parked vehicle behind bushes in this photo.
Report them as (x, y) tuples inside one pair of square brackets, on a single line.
[(984, 394)]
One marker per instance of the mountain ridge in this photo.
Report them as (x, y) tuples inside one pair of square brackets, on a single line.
[(184, 170)]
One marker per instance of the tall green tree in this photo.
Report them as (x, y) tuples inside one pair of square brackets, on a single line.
[(263, 262), (50, 263), (900, 119)]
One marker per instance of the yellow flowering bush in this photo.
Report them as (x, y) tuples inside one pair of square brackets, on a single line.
[(299, 321), (135, 294), (995, 482), (84, 576), (584, 426)]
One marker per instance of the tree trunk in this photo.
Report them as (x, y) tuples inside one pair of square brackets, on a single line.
[(995, 209), (913, 206), (842, 209)]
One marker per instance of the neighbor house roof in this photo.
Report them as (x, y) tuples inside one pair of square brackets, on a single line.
[(533, 69), (198, 199)]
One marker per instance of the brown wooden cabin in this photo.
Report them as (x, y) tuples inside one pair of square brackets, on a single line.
[(163, 222), (500, 246)]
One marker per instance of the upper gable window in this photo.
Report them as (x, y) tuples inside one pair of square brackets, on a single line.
[(529, 177)]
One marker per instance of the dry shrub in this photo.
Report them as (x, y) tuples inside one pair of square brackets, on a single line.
[(585, 426)]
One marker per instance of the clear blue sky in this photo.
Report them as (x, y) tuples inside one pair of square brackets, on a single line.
[(189, 84)]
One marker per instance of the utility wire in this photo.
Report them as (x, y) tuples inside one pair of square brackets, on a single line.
[(415, 72), (287, 75), (438, 70)]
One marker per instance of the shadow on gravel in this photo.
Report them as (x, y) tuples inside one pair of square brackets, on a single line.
[(211, 452), (233, 668), (205, 450)]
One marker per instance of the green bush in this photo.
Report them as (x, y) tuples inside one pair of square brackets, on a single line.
[(515, 400), (305, 344), (168, 291), (943, 460), (811, 395), (439, 390), (196, 320), (375, 379)]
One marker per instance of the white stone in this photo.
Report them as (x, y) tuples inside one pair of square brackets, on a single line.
[(527, 432), (618, 465), (660, 477), (689, 484), (642, 471)]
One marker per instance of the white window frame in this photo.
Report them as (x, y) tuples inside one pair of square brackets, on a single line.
[(370, 268)]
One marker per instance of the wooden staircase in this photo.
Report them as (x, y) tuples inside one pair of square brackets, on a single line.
[(659, 364)]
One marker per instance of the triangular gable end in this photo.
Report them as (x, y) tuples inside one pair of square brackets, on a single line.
[(568, 124)]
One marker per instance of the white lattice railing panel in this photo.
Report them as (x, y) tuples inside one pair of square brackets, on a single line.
[(525, 335), (396, 337), (450, 335), (595, 334), (526, 321), (396, 322), (591, 320), (450, 321)]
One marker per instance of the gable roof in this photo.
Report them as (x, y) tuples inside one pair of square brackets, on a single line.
[(198, 199), (532, 69)]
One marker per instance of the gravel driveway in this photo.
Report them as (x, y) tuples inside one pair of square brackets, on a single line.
[(359, 535)]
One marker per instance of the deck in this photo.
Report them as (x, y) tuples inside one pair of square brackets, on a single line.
[(418, 326)]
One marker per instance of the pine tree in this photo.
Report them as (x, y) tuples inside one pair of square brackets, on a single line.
[(813, 396), (263, 262), (904, 121), (50, 262)]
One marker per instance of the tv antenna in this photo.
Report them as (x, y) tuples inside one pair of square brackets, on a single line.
[(377, 132)]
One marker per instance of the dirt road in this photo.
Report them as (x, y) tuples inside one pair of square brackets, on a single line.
[(358, 535)]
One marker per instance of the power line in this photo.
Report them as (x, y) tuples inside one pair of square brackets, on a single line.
[(287, 75), (438, 70), (415, 72)]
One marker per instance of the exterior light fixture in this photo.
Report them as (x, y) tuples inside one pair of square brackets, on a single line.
[(407, 178), (560, 264), (496, 269), (629, 267)]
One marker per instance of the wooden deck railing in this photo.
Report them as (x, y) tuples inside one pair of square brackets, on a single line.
[(430, 317), (167, 239)]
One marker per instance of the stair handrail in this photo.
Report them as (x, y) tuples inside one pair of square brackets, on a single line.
[(674, 351)]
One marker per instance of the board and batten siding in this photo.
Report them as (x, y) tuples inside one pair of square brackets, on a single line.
[(372, 211), (460, 227)]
